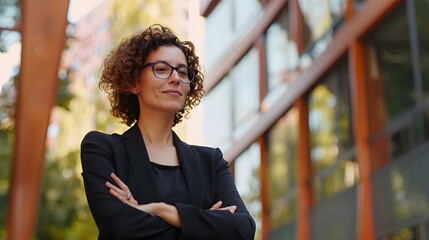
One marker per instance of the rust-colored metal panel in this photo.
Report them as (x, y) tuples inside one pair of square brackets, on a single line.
[(304, 173), (207, 6), (43, 26), (365, 228), (265, 225), (297, 25)]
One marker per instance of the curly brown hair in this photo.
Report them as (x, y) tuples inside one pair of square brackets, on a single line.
[(122, 67)]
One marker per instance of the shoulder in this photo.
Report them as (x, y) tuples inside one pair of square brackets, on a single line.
[(99, 138), (205, 150)]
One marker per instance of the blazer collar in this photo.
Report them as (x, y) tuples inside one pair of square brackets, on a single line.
[(142, 169)]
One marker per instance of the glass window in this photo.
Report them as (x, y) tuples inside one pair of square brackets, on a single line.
[(219, 33), (422, 8), (228, 22), (331, 135), (245, 77), (282, 169), (397, 70), (247, 180), (218, 114), (245, 13), (282, 57), (322, 18)]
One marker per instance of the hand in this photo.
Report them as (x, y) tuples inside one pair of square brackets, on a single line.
[(217, 206), (167, 212), (122, 192)]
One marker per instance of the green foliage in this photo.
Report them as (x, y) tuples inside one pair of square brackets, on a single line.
[(64, 213), (9, 13)]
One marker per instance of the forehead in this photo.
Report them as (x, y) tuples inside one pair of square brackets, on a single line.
[(170, 54)]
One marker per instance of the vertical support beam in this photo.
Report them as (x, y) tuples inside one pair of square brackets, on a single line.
[(304, 173), (260, 44), (297, 25), (43, 35), (361, 131), (264, 188)]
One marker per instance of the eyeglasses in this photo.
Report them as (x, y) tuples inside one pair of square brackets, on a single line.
[(163, 70)]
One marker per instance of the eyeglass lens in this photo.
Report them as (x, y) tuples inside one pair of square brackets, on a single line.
[(164, 70)]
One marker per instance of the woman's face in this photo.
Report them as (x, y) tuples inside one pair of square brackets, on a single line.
[(167, 94)]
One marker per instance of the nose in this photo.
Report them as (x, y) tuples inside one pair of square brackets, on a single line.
[(174, 78)]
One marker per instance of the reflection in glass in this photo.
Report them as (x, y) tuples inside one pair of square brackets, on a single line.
[(331, 136), (218, 117), (282, 169), (245, 78), (282, 56), (397, 60), (229, 21), (247, 180), (321, 18)]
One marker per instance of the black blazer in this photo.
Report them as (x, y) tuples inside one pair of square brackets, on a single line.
[(207, 177)]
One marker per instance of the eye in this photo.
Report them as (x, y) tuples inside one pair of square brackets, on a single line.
[(161, 68), (183, 72)]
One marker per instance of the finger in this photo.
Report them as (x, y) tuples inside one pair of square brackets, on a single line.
[(119, 182), (113, 187), (118, 196), (229, 208), (216, 205)]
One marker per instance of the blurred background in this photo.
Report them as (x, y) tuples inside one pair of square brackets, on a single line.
[(320, 106)]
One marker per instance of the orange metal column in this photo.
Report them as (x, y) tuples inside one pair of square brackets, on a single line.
[(361, 131), (304, 174), (43, 26), (365, 226)]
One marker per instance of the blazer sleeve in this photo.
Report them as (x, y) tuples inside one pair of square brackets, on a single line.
[(114, 219), (208, 224)]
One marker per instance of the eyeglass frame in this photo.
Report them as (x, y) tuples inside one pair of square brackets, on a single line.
[(152, 64)]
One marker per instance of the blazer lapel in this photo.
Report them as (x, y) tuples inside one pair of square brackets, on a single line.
[(191, 167), (140, 165)]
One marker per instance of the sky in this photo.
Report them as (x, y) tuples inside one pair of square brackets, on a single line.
[(79, 8)]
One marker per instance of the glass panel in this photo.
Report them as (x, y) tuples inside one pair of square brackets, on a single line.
[(331, 136), (336, 218), (342, 176), (282, 169), (218, 115), (228, 22), (321, 19), (400, 193), (285, 232), (247, 180), (282, 57), (389, 74), (245, 77), (397, 114), (422, 18), (219, 33), (246, 13), (408, 233)]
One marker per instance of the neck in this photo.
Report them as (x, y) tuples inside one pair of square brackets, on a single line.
[(156, 130)]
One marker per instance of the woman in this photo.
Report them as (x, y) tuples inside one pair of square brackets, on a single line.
[(147, 183)]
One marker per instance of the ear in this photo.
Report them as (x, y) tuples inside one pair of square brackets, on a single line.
[(135, 90)]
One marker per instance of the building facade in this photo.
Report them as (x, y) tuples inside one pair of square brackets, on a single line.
[(322, 109)]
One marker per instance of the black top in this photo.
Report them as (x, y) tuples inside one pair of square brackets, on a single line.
[(170, 183)]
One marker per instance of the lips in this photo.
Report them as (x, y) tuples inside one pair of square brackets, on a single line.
[(172, 91)]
